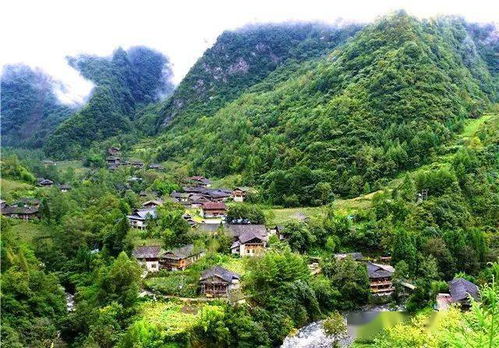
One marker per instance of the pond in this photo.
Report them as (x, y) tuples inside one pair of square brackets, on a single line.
[(363, 326)]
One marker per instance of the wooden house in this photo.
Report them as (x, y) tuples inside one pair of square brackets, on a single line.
[(249, 240), (113, 161), (197, 200), (181, 258), (45, 182), (380, 279), (199, 181), (218, 281), (239, 193), (461, 290), (139, 217), (213, 209), (65, 188), (217, 195), (148, 256), (113, 151), (180, 197)]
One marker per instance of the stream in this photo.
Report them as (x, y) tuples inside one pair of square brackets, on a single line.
[(363, 325)]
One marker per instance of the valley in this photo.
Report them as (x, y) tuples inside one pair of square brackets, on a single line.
[(304, 185)]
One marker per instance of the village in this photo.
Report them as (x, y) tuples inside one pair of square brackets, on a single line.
[(225, 234), (206, 211)]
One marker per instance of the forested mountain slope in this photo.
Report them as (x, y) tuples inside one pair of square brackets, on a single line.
[(125, 83), (382, 103), (242, 58), (30, 109)]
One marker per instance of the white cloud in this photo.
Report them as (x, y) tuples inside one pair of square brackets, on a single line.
[(42, 33)]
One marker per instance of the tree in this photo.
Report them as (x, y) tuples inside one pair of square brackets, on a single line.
[(115, 240), (298, 236), (249, 212), (119, 282), (335, 328)]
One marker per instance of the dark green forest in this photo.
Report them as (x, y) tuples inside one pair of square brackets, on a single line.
[(383, 103), (30, 109), (125, 83), (242, 58)]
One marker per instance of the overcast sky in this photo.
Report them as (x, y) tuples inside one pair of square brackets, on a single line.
[(42, 32)]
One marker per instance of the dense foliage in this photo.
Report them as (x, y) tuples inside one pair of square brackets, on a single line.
[(125, 83), (30, 109), (240, 59), (384, 102)]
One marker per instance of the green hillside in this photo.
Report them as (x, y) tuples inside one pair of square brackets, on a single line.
[(125, 83), (242, 58), (383, 103), (30, 109)]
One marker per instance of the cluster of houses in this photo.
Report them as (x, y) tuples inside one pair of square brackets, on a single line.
[(114, 161), (198, 194), (42, 182), (24, 209), (214, 282), (155, 258)]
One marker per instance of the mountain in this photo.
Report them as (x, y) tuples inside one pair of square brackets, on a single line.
[(242, 58), (384, 102), (30, 109), (125, 83)]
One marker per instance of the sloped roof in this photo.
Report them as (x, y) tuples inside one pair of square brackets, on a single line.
[(219, 272), (155, 202), (214, 205), (7, 210), (375, 270), (355, 256), (45, 182), (216, 193), (142, 214), (147, 252), (460, 288), (190, 189), (182, 252), (250, 235), (238, 230)]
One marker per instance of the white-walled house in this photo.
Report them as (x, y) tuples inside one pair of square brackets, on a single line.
[(148, 256), (139, 217)]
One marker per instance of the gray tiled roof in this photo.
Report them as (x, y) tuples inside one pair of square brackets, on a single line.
[(146, 252), (238, 230), (460, 288), (7, 210), (142, 214), (220, 272), (182, 252), (378, 271)]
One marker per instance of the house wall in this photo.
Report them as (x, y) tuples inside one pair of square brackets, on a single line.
[(150, 265), (251, 249), (212, 213), (238, 199), (138, 224)]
